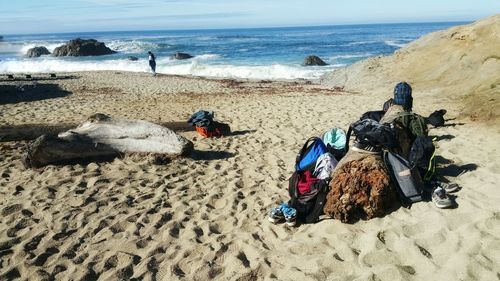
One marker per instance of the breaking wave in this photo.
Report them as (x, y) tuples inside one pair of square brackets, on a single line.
[(395, 43), (193, 67)]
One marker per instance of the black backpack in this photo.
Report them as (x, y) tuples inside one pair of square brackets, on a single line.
[(436, 118), (309, 208), (374, 115), (422, 157), (371, 132)]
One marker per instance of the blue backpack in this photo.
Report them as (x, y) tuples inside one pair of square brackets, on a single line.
[(310, 152)]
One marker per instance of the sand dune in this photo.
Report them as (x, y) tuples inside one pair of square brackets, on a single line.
[(462, 62)]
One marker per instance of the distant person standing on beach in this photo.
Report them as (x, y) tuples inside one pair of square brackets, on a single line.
[(152, 62)]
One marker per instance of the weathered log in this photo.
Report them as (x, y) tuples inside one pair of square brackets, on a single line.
[(106, 137), (132, 135), (33, 131), (78, 149)]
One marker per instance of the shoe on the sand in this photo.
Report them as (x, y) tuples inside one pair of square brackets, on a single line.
[(450, 187), (441, 199), (365, 148), (276, 215), (290, 215)]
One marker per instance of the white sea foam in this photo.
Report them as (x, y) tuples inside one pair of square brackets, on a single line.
[(22, 48), (10, 47), (194, 67), (360, 43), (207, 57), (395, 43), (50, 46), (61, 65), (350, 56), (134, 46)]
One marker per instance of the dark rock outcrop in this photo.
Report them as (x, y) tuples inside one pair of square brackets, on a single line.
[(81, 47), (181, 56), (37, 51), (314, 60), (132, 58)]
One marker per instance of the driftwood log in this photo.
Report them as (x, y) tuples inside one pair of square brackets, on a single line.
[(360, 189), (103, 137), (33, 131), (49, 149)]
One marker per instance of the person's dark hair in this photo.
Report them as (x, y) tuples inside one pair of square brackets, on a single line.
[(402, 95)]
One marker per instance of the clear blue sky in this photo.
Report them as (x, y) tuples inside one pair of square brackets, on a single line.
[(45, 16)]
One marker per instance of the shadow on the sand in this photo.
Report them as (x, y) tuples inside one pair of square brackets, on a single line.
[(453, 124), (210, 155), (440, 160), (444, 137), (457, 170), (26, 93), (447, 168), (41, 77), (242, 132)]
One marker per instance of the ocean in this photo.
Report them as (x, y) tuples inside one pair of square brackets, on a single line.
[(264, 53)]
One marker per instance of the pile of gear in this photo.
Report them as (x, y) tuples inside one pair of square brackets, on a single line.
[(204, 123), (391, 163)]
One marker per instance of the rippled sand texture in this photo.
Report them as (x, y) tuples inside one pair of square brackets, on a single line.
[(204, 217)]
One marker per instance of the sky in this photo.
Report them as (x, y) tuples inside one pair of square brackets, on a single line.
[(54, 16)]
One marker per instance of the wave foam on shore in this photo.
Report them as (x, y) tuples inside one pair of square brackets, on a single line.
[(195, 67)]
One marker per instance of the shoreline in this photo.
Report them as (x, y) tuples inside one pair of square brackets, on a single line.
[(45, 76)]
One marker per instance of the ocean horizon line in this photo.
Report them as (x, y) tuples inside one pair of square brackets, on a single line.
[(240, 28)]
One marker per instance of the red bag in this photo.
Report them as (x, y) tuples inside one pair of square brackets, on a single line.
[(216, 129), (305, 182), (208, 134)]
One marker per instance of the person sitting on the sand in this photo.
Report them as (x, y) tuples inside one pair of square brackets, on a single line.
[(402, 101), (152, 62), (394, 107)]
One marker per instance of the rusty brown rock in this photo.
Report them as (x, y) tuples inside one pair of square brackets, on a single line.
[(360, 189)]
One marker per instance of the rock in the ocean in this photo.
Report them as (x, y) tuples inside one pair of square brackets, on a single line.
[(314, 60), (81, 47), (181, 56), (37, 51), (132, 58)]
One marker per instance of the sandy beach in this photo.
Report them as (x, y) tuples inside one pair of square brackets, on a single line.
[(203, 217)]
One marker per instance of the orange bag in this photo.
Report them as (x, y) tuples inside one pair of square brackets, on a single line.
[(208, 134)]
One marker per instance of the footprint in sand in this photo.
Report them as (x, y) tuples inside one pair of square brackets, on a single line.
[(41, 259), (244, 260), (9, 210), (177, 270)]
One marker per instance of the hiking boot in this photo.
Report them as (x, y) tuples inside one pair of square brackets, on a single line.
[(365, 148), (276, 215), (290, 215), (441, 199)]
